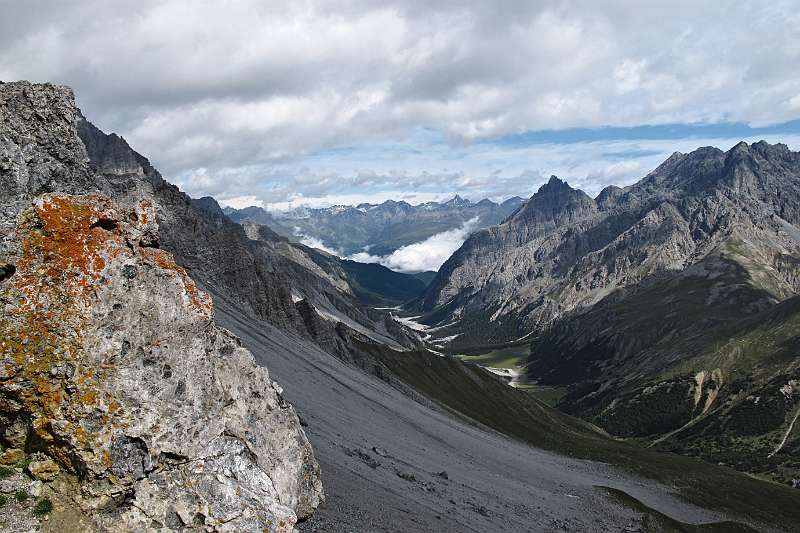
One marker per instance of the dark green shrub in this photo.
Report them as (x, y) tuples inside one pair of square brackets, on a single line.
[(43, 507), (21, 495)]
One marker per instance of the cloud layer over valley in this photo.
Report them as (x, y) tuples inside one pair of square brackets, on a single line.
[(422, 256)]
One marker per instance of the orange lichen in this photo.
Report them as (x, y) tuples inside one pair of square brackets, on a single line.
[(198, 299), (67, 245), (142, 211), (114, 406)]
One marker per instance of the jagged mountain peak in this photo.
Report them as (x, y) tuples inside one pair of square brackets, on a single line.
[(457, 201), (746, 170), (608, 196), (555, 181), (763, 150), (110, 152), (209, 205), (514, 199), (554, 199), (555, 187), (563, 249)]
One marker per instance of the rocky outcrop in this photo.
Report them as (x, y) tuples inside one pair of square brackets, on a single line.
[(262, 276), (39, 150), (112, 367), (248, 266), (118, 394), (215, 251)]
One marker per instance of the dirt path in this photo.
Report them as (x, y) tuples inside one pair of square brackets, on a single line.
[(786, 435)]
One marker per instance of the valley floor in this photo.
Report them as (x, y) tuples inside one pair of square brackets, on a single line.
[(383, 454)]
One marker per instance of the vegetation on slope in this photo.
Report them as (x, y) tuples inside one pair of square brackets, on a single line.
[(676, 365), (377, 285)]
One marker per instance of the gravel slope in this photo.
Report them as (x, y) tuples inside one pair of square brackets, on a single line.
[(493, 483)]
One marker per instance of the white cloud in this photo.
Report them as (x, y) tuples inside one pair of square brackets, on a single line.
[(261, 98), (628, 75), (313, 242), (429, 254), (240, 202)]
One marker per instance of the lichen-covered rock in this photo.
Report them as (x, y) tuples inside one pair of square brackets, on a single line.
[(44, 470), (11, 456), (112, 367)]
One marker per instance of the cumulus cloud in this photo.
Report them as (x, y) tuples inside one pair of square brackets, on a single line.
[(429, 254), (276, 99), (240, 202)]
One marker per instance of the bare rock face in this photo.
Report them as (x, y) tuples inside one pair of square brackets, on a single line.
[(563, 251), (113, 369)]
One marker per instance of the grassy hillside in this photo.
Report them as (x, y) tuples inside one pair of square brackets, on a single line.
[(704, 364), (377, 285), (425, 277)]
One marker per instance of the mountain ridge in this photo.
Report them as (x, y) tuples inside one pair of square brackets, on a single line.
[(390, 428), (379, 229), (570, 235), (637, 302)]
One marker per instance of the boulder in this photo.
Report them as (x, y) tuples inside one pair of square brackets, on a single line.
[(125, 383)]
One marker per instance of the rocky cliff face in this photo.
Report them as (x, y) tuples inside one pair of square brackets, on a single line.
[(564, 251), (214, 250), (321, 280), (250, 266), (117, 389)]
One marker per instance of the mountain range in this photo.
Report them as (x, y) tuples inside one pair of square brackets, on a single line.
[(379, 229), (139, 325), (666, 309)]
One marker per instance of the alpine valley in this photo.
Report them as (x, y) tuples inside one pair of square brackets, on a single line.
[(378, 229), (622, 363), (665, 312)]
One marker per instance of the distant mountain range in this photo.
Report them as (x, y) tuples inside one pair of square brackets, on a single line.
[(667, 309), (379, 229)]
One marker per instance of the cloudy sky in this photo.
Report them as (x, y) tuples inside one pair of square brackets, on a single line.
[(325, 102)]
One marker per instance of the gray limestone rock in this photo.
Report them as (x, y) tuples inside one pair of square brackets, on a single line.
[(113, 368)]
